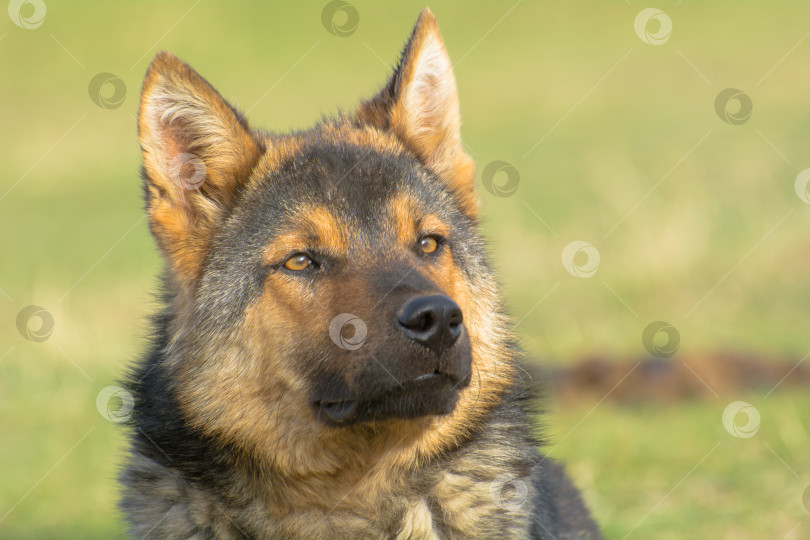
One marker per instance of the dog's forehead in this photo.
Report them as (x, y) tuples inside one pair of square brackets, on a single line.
[(355, 182)]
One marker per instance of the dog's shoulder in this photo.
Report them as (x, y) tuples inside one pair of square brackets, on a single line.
[(559, 511)]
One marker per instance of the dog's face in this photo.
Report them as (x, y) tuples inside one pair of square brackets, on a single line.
[(353, 258), (323, 280)]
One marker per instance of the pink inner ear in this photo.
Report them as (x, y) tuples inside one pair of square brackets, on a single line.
[(175, 134), (425, 105), (171, 145), (429, 100), (180, 160)]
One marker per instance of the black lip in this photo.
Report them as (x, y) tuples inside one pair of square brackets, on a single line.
[(348, 411), (338, 411)]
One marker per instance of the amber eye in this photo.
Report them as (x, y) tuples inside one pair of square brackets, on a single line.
[(298, 262), (428, 244)]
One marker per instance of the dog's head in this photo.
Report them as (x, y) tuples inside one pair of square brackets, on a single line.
[(327, 282)]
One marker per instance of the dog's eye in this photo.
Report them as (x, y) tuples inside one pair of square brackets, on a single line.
[(429, 244), (298, 262)]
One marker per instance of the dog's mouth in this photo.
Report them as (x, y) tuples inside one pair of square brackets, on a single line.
[(433, 393)]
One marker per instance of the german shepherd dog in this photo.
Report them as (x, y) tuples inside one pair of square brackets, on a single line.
[(333, 360)]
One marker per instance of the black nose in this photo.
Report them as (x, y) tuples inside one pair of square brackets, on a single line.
[(432, 321)]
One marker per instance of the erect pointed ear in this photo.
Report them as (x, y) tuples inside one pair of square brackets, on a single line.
[(197, 151), (420, 106)]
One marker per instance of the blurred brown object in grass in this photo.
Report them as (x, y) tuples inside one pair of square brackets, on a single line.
[(677, 378)]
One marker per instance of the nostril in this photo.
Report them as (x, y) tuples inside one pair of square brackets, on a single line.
[(455, 318), (425, 322)]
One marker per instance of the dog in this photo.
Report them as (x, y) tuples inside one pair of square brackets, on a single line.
[(333, 359)]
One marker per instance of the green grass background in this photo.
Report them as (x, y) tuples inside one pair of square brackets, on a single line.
[(617, 115)]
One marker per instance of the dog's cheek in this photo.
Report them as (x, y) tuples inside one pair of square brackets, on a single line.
[(284, 323)]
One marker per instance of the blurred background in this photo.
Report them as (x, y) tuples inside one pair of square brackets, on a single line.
[(649, 226)]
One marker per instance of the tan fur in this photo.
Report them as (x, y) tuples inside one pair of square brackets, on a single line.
[(466, 506), (418, 523), (410, 222), (316, 227)]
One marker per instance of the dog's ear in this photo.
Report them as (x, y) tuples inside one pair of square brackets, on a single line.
[(197, 152), (420, 106)]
